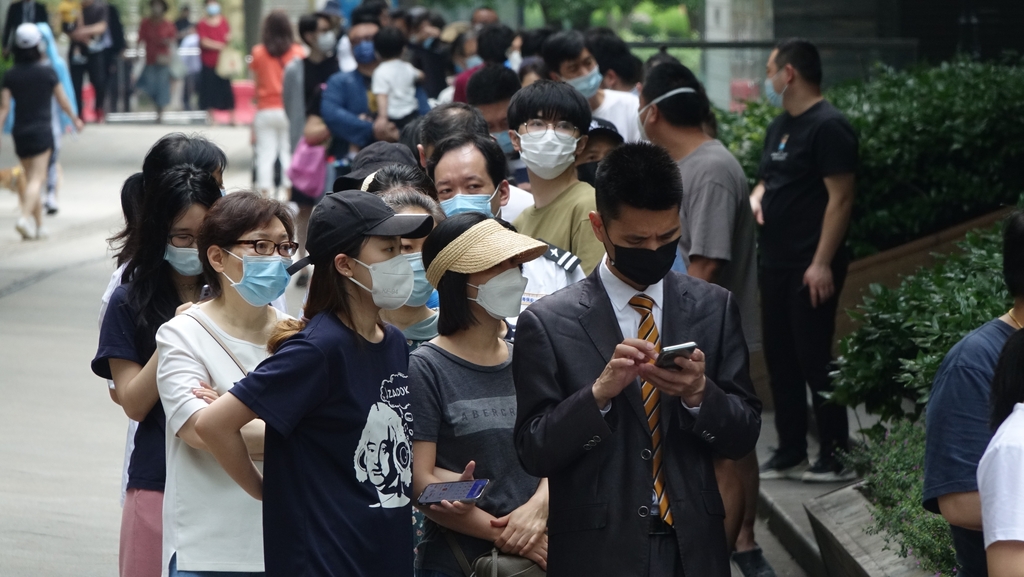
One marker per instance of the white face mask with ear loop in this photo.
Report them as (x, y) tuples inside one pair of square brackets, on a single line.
[(502, 296), (392, 279), (640, 114)]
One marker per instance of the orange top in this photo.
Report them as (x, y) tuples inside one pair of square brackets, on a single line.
[(269, 72)]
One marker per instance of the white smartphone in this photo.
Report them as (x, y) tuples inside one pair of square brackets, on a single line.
[(464, 491), (667, 357)]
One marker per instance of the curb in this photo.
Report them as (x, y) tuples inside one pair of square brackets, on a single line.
[(803, 548)]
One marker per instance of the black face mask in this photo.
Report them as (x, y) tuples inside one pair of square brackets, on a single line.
[(645, 266), (587, 172)]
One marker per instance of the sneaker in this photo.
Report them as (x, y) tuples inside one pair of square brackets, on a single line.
[(51, 204), (42, 233), (25, 228), (828, 470), (784, 467), (752, 563)]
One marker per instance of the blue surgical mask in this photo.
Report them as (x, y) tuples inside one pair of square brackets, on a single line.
[(421, 288), (504, 141), (588, 84), (213, 9), (364, 52), (184, 260), (264, 278), (774, 98), (474, 61), (461, 203)]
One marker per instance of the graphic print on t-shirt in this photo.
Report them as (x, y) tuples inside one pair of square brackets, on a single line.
[(475, 415), (384, 453), (781, 154)]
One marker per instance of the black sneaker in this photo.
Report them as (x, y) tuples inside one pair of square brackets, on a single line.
[(782, 466), (828, 470), (752, 563)]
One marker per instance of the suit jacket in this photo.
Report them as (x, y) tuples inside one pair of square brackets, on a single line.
[(598, 467), (16, 17)]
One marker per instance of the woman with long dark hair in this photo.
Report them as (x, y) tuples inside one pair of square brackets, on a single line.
[(1002, 467), (335, 400), (211, 526), (32, 85), (474, 262), (270, 125), (163, 273)]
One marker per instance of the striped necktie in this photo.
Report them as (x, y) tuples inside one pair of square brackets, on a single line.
[(643, 305)]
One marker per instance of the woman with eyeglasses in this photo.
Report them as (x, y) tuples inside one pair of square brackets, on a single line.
[(335, 399), (211, 526), (464, 400), (164, 273)]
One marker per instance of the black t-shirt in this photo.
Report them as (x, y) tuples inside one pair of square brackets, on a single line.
[(314, 75), (338, 452), (31, 86), (799, 152), (148, 466)]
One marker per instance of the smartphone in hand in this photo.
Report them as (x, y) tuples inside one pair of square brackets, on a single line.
[(667, 357), (462, 491)]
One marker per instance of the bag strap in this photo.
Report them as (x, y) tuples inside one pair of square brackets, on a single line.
[(209, 331), (460, 556)]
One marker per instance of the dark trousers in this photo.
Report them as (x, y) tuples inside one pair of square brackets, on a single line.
[(665, 560), (96, 66), (798, 351)]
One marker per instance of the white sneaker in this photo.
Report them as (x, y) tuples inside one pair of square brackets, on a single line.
[(42, 233), (25, 228)]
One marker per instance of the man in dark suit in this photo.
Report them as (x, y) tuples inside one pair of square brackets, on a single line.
[(626, 446), (19, 13)]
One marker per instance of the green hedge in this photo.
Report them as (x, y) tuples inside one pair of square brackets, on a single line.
[(905, 332), (938, 147), (892, 466)]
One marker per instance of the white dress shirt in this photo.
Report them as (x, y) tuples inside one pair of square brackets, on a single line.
[(619, 294)]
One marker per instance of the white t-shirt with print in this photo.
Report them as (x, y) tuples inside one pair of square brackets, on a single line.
[(621, 108), (210, 522), (397, 79), (999, 481)]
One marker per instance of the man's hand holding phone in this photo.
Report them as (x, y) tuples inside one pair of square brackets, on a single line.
[(622, 369), (686, 382)]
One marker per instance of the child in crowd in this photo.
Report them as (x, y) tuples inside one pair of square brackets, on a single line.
[(394, 80)]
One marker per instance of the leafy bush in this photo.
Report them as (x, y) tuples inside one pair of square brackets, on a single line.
[(938, 146), (892, 465), (905, 332)]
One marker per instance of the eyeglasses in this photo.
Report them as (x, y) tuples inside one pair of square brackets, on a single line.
[(265, 247), (181, 240), (561, 128)]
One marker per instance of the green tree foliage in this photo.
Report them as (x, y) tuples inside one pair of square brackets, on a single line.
[(938, 146)]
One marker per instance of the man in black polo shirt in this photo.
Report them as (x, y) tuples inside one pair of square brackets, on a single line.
[(803, 203)]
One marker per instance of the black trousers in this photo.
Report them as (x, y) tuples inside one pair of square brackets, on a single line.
[(96, 66), (665, 560), (798, 351)]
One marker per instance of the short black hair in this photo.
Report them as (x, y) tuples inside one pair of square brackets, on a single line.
[(802, 55), (1013, 254), (658, 58), (492, 83), (1008, 382), (365, 14), (640, 175), (494, 157), (561, 47), (493, 41), (389, 42), (394, 176), (454, 314), (309, 23), (449, 118), (628, 67), (684, 109), (534, 64), (552, 101), (604, 45), (26, 55), (533, 40)]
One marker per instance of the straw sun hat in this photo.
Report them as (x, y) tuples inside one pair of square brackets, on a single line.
[(484, 245)]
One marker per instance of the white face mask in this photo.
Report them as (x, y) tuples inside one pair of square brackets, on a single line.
[(502, 296), (640, 115), (392, 282), (548, 154), (327, 42)]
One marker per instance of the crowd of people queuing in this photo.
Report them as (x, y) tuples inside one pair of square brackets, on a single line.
[(489, 227)]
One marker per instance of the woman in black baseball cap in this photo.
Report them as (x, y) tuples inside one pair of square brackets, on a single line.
[(335, 400)]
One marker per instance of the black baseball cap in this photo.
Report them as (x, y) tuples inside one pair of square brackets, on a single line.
[(343, 216), (601, 127), (371, 159)]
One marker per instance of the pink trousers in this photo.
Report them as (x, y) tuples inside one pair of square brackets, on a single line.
[(141, 547)]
